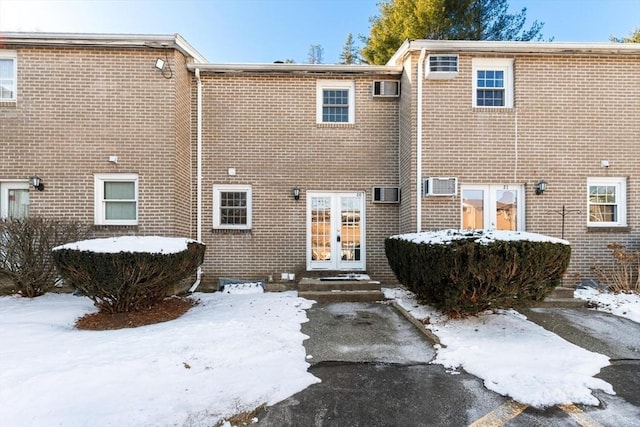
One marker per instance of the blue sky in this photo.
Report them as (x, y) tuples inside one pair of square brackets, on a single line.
[(269, 30)]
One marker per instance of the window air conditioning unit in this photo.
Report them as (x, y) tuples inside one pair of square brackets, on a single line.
[(441, 67), (385, 194), (386, 88), (438, 186)]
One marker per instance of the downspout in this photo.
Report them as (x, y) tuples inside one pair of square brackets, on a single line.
[(419, 143), (198, 173)]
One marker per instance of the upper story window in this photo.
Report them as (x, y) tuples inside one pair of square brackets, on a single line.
[(8, 79), (232, 207), (606, 202), (441, 66), (335, 101), (116, 199), (492, 82)]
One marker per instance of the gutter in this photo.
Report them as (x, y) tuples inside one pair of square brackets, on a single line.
[(423, 52), (198, 173), (297, 68)]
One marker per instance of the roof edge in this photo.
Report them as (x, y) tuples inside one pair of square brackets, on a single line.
[(299, 68), (518, 47), (175, 41)]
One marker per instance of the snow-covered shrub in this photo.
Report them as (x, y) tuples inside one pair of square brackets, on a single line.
[(25, 251), (127, 273), (464, 272)]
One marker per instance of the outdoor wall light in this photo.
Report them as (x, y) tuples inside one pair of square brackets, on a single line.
[(541, 186), (160, 64), (296, 193), (37, 183)]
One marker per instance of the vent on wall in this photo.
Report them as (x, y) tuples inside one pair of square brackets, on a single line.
[(385, 194), (437, 186), (386, 88)]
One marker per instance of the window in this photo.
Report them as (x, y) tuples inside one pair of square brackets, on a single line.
[(493, 83), (441, 66), (232, 207), (8, 81), (335, 101), (606, 202), (14, 199), (116, 199)]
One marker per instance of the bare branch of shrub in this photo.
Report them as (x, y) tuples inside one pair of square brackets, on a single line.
[(25, 250), (624, 274)]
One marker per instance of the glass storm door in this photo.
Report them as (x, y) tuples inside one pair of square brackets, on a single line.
[(497, 207), (335, 231)]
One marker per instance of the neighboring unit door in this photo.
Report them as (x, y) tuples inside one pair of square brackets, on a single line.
[(14, 199), (335, 231), (496, 207)]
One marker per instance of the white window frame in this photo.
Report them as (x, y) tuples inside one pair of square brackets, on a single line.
[(100, 202), (322, 85), (620, 184), (489, 207), (5, 186), (494, 64), (217, 190), (11, 55)]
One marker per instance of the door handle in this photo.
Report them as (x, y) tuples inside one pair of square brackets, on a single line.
[(338, 238)]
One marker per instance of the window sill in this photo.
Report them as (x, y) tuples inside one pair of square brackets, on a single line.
[(9, 104), (609, 229), (335, 125), (112, 226), (231, 231), (502, 110)]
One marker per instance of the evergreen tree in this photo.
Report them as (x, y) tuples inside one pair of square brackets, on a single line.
[(349, 53), (400, 20), (633, 38)]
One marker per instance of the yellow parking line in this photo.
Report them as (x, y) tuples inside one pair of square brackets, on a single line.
[(501, 415), (578, 416)]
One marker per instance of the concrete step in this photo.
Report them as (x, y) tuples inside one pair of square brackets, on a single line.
[(552, 301), (562, 292), (338, 285), (343, 296)]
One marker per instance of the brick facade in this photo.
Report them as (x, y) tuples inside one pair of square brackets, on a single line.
[(83, 100)]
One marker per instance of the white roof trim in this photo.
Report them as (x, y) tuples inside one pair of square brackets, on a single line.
[(516, 47), (104, 40), (297, 68)]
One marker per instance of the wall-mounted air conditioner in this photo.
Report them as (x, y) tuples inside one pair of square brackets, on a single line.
[(386, 88), (441, 67), (439, 186), (385, 194)]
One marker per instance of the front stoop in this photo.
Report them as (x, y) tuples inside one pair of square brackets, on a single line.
[(340, 290), (562, 297)]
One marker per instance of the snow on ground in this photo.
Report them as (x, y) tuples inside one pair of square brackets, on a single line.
[(226, 355), (623, 305), (513, 356)]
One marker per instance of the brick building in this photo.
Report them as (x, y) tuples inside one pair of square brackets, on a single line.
[(297, 168)]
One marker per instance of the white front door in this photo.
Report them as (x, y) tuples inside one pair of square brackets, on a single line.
[(496, 207), (335, 231)]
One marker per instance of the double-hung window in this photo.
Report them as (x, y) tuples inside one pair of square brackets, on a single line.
[(232, 207), (335, 101), (606, 202), (116, 199), (8, 79), (492, 82)]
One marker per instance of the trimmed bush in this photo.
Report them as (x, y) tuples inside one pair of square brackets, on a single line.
[(25, 251), (466, 272), (119, 281)]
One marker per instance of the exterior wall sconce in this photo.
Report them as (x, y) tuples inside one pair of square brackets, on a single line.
[(160, 64), (541, 186), (37, 183), (296, 193)]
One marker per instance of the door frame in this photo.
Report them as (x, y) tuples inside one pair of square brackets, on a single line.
[(336, 263), (490, 205)]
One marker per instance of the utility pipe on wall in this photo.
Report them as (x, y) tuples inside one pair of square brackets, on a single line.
[(198, 173), (419, 143)]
